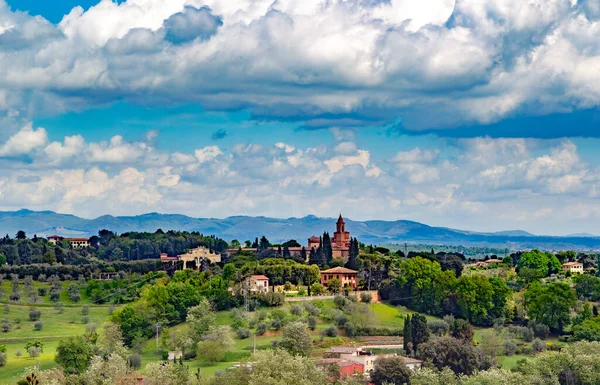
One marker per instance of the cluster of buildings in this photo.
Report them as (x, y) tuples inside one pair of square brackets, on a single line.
[(356, 361), (193, 255)]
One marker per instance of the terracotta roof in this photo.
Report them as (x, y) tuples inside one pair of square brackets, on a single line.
[(339, 270), (54, 237), (314, 238), (77, 239), (572, 264), (493, 261), (260, 277)]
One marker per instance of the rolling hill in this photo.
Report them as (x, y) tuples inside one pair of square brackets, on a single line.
[(44, 223)]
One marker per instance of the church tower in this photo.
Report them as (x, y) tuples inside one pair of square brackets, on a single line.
[(341, 237)]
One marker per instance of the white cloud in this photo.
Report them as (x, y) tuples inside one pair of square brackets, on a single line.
[(24, 141), (72, 146), (207, 154), (116, 151)]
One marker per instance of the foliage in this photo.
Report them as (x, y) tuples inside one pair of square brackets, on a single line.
[(536, 264), (200, 318), (296, 339), (550, 305), (73, 354), (461, 357), (105, 371), (438, 327), (390, 370)]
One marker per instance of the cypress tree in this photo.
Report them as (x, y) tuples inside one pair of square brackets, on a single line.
[(407, 334), (303, 254), (419, 330), (352, 263), (327, 249), (286, 252)]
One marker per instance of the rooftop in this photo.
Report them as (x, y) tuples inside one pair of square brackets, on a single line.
[(338, 361), (343, 349), (572, 264), (339, 270), (260, 277)]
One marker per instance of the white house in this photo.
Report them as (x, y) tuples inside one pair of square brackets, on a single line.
[(259, 284)]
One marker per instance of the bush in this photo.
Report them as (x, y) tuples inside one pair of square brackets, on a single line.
[(85, 310), (135, 361), (6, 309), (85, 319), (261, 328), (366, 297), (276, 324), (243, 333), (317, 289), (42, 291), (34, 351), (296, 310), (340, 302), (510, 347), (6, 325), (272, 299), (34, 314), (331, 331), (350, 329), (312, 309), (38, 326), (341, 319), (3, 359), (15, 296), (538, 345), (312, 322), (18, 353), (539, 330), (438, 327), (54, 295), (60, 307)]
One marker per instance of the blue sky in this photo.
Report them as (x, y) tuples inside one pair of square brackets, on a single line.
[(479, 115)]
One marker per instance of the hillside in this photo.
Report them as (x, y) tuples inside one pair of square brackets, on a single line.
[(44, 223)]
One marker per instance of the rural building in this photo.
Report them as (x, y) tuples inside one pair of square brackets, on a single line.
[(76, 243), (340, 243), (365, 358), (573, 267), (347, 277), (194, 255), (259, 284), (347, 368)]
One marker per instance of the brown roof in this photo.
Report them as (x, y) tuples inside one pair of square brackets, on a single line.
[(339, 270), (260, 277), (314, 238), (342, 349), (572, 264), (493, 261), (409, 360), (55, 237), (77, 239), (338, 361)]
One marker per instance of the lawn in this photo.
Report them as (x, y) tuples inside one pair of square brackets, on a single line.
[(510, 362)]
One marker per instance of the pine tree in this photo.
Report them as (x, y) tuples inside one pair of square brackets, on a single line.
[(313, 258), (327, 250), (264, 243), (407, 334)]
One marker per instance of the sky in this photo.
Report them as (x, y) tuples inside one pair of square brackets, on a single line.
[(473, 114)]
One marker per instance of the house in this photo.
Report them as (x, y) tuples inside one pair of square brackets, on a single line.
[(412, 363), (106, 276), (346, 368), (132, 379), (258, 284), (194, 255), (573, 267), (366, 358), (347, 277), (76, 243)]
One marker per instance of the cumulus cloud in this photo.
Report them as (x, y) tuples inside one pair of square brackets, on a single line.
[(324, 63), (24, 141)]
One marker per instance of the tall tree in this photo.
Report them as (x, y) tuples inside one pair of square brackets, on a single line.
[(21, 235), (303, 254), (419, 330), (407, 334), (327, 250), (352, 255), (264, 243), (390, 370)]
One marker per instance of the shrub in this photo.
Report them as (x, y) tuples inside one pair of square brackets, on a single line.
[(15, 296), (366, 297), (85, 319), (261, 328), (510, 347), (38, 326), (539, 330), (276, 324), (33, 351), (317, 289), (3, 359), (538, 345), (135, 361), (340, 301), (272, 299), (312, 322), (85, 310), (34, 314), (527, 334), (438, 327), (330, 331), (243, 333), (42, 291), (6, 325), (54, 295), (296, 310), (350, 329), (60, 307), (111, 309), (18, 353), (341, 319), (6, 309), (312, 309)]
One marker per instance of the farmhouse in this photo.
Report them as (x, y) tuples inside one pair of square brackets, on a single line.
[(347, 277), (259, 284), (76, 243), (573, 267)]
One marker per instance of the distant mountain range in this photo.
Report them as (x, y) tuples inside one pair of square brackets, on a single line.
[(44, 223)]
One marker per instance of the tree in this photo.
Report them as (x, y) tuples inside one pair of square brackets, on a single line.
[(296, 339), (419, 331), (461, 357), (535, 264), (352, 262), (327, 250), (334, 285), (111, 339), (200, 318), (264, 244), (109, 371), (21, 235), (588, 330), (407, 334), (462, 330), (390, 370), (166, 373), (73, 354), (2, 259), (550, 305), (49, 258)]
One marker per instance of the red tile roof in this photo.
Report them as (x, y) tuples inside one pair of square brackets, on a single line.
[(339, 270), (260, 277)]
